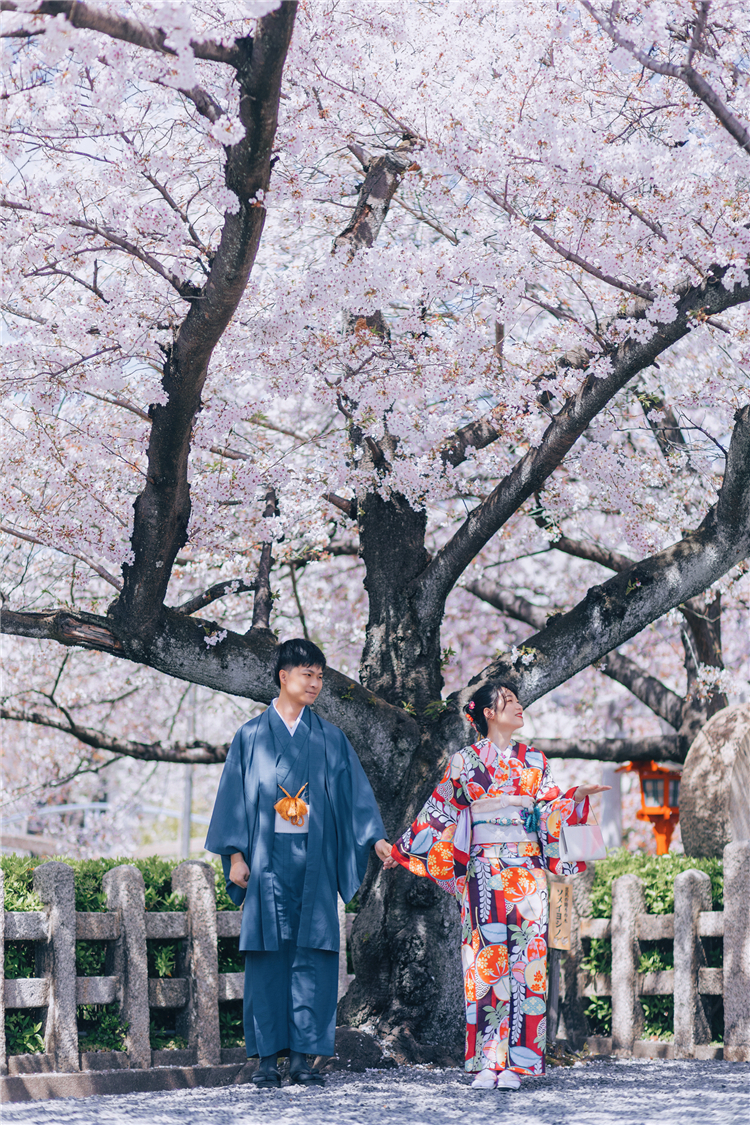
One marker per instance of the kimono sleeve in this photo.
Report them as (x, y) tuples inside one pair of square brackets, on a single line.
[(437, 844), (556, 809), (229, 831), (358, 821)]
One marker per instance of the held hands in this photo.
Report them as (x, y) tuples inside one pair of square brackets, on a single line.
[(239, 872), (383, 852), (584, 791)]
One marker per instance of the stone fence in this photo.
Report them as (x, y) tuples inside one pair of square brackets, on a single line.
[(126, 926), (691, 979)]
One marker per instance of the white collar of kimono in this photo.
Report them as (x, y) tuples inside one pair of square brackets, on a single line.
[(291, 727)]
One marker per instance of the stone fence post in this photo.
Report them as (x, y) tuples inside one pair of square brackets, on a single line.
[(737, 951), (127, 958), (56, 960), (195, 880), (692, 893), (627, 1013)]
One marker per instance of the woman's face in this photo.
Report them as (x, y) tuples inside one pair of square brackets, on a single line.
[(507, 714)]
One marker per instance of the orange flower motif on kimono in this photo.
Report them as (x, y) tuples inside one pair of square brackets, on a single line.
[(416, 866), (517, 883), (530, 781), (440, 860), (470, 985), (476, 792), (492, 963), (535, 975)]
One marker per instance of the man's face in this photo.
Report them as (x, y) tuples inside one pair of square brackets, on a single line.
[(302, 684)]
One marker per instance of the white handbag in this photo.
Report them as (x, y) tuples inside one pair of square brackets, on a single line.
[(581, 843)]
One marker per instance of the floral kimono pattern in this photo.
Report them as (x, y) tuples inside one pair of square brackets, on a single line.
[(502, 892)]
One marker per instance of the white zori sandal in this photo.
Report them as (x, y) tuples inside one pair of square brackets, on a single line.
[(497, 1080), (507, 1080), (486, 1079)]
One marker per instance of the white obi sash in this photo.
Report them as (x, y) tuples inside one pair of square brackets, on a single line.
[(498, 823)]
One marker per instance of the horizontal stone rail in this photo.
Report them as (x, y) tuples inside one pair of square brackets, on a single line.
[(26, 927), (166, 926), (655, 927), (691, 979)]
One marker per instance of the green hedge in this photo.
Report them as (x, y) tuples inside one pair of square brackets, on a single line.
[(100, 1026), (658, 875)]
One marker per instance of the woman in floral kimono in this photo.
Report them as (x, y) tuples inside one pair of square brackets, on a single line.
[(488, 834)]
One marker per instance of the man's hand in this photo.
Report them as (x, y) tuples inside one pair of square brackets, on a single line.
[(584, 791), (239, 872), (383, 852)]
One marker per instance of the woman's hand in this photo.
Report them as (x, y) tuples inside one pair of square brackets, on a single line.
[(584, 791), (239, 872)]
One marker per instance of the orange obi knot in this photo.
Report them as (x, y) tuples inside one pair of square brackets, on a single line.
[(291, 808)]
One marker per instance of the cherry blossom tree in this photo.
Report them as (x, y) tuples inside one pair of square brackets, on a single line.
[(410, 327)]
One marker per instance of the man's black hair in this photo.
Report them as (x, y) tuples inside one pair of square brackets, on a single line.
[(297, 653)]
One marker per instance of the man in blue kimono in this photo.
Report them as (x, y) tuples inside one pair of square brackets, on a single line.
[(294, 821)]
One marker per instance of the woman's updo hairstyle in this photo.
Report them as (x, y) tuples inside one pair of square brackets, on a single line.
[(486, 697)]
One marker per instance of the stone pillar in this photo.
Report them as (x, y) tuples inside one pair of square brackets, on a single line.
[(714, 805), (627, 1014), (737, 951), (56, 960), (3, 1051), (692, 893), (127, 958), (195, 880)]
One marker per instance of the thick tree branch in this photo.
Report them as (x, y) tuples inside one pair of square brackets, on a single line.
[(626, 361), (611, 614), (128, 31), (686, 73), (659, 748), (191, 753), (162, 510)]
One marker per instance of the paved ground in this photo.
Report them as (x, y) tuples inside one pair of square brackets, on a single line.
[(605, 1092)]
